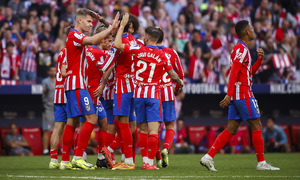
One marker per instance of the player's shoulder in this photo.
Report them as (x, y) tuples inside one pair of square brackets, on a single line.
[(75, 34)]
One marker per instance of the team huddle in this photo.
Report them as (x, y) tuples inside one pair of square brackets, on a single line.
[(118, 86), (129, 83)]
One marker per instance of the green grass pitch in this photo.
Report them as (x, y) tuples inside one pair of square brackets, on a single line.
[(181, 167)]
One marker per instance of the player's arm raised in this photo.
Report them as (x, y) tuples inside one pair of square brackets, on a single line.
[(118, 41), (95, 39), (260, 53)]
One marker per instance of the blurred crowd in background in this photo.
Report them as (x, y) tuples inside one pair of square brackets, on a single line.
[(201, 31)]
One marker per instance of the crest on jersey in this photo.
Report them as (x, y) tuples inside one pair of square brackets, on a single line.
[(88, 107), (239, 55)]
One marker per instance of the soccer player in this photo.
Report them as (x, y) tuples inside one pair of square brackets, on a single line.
[(79, 102), (123, 106), (167, 98), (60, 112), (93, 75), (149, 62), (242, 104)]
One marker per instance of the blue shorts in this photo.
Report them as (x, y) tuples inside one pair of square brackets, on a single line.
[(168, 109), (60, 113), (79, 103), (243, 109), (124, 105), (108, 106), (100, 112), (147, 110)]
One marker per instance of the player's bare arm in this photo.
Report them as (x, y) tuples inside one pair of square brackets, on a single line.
[(63, 71), (260, 53), (118, 41), (101, 19), (174, 76), (95, 39), (225, 102), (100, 89)]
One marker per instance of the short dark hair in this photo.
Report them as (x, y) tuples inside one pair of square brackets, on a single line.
[(195, 31), (28, 30), (214, 33), (161, 37), (240, 28), (153, 32), (69, 28), (272, 118), (10, 44), (132, 19), (44, 39), (84, 12)]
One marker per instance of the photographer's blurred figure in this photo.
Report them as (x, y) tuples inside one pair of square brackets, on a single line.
[(274, 137), (48, 114), (16, 144)]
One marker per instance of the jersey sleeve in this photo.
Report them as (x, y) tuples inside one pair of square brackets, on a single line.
[(109, 60), (77, 38), (237, 58), (178, 67), (132, 49), (167, 64)]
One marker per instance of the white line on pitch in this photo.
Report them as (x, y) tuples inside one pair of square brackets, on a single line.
[(142, 177)]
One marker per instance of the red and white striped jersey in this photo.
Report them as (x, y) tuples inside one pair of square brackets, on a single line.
[(124, 65), (149, 62), (28, 62), (109, 90), (167, 90), (196, 67), (281, 60), (59, 95), (93, 76), (76, 61), (240, 79)]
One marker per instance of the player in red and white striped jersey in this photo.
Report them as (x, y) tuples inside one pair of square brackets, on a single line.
[(60, 112), (149, 62), (79, 102), (242, 104), (123, 107), (167, 98)]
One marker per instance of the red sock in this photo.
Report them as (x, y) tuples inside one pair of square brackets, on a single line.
[(158, 155), (152, 145), (67, 142), (53, 153), (102, 135), (84, 137), (135, 138), (258, 144), (126, 138), (143, 143), (116, 142), (75, 141), (219, 143), (109, 139), (169, 138)]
